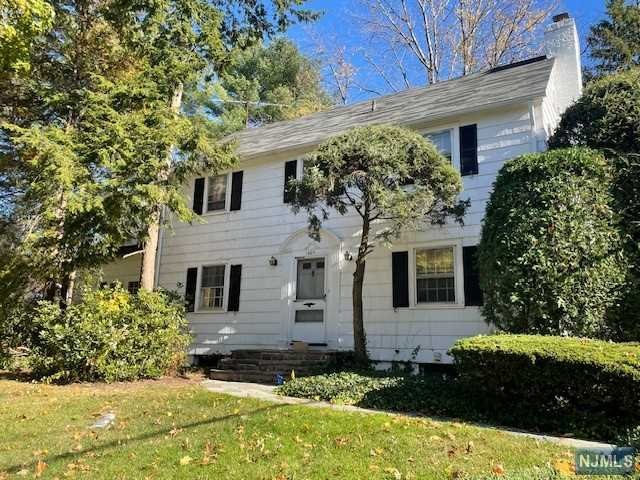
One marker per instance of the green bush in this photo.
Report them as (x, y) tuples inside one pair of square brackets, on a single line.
[(550, 252), (430, 394), (110, 336), (568, 385), (555, 385), (607, 117)]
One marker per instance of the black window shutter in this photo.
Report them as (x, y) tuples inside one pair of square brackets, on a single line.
[(400, 274), (235, 276), (198, 195), (469, 150), (290, 170), (190, 289), (472, 292), (236, 191)]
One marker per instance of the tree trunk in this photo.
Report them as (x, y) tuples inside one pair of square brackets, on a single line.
[(359, 335), (67, 288), (150, 248)]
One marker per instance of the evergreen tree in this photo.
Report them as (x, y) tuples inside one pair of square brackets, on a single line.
[(265, 84), (615, 41), (94, 142), (21, 21)]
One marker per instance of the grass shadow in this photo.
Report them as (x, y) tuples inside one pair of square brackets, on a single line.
[(146, 436)]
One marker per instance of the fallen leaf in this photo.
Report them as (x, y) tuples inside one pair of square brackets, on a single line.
[(498, 469), (394, 472), (564, 467), (470, 447), (341, 441), (40, 468), (186, 460), (457, 474)]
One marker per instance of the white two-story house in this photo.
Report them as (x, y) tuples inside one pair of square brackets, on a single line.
[(253, 279)]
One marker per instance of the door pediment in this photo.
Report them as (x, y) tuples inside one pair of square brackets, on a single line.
[(300, 241)]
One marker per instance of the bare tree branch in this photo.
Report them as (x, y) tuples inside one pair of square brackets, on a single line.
[(441, 39)]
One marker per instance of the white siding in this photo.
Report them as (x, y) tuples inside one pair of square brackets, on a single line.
[(262, 227)]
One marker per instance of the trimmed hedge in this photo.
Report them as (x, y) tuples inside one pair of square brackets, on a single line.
[(550, 255), (572, 385)]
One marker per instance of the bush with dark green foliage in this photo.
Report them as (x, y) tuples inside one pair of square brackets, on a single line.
[(550, 252), (111, 335), (433, 394), (568, 385), (555, 385), (607, 117)]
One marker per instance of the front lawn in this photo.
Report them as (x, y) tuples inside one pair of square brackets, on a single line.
[(176, 429)]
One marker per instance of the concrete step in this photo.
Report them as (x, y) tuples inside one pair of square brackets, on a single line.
[(270, 368), (242, 376), (310, 355), (247, 362), (253, 376)]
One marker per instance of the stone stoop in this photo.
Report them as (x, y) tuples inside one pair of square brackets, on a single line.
[(262, 366)]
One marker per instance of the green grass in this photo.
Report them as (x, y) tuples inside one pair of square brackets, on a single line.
[(176, 429)]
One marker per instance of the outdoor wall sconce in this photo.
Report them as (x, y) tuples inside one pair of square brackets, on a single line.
[(348, 256), (273, 261)]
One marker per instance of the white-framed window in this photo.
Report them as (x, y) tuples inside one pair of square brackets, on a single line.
[(442, 140), (435, 275), (217, 188), (212, 282)]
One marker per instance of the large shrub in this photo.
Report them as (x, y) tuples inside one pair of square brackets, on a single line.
[(550, 253), (553, 383), (607, 117), (111, 335)]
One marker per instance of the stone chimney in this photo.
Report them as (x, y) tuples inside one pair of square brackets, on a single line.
[(561, 42)]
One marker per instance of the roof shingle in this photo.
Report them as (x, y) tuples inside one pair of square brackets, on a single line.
[(521, 81)]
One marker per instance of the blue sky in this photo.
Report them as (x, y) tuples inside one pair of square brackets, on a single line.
[(337, 27)]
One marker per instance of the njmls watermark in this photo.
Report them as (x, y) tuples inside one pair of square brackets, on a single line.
[(605, 461)]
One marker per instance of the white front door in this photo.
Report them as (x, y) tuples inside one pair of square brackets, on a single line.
[(309, 305)]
